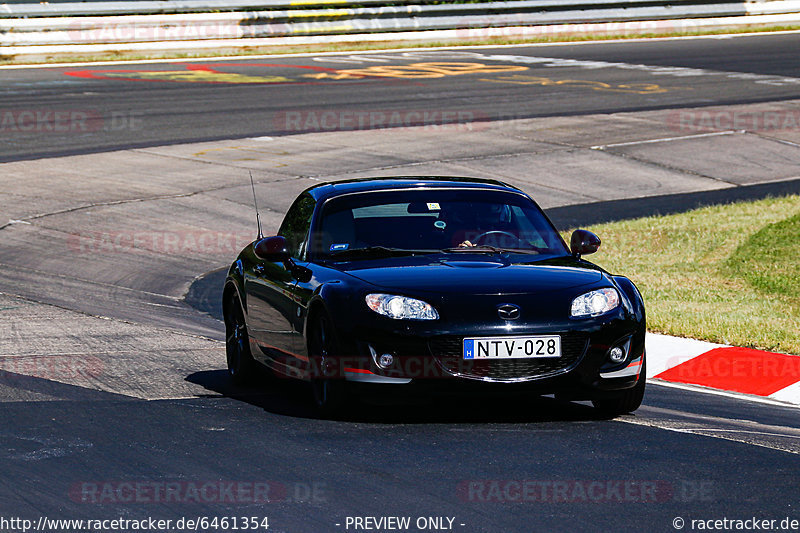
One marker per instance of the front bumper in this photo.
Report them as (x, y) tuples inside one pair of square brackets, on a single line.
[(432, 360)]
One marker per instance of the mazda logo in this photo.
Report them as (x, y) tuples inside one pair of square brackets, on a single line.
[(508, 311)]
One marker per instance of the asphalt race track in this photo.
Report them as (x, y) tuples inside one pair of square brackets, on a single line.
[(124, 190), (166, 103)]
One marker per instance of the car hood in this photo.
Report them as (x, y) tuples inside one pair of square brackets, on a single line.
[(475, 275)]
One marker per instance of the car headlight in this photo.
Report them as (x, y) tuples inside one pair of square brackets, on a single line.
[(594, 303), (401, 307)]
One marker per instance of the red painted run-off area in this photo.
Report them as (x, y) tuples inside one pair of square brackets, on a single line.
[(739, 370)]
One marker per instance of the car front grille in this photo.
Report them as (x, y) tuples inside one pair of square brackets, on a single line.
[(447, 350)]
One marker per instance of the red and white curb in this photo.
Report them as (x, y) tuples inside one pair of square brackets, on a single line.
[(727, 368)]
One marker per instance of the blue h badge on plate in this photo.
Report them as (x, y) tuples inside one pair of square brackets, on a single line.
[(469, 348)]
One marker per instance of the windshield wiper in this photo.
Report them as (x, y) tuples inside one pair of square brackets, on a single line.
[(380, 251), (485, 248), (480, 249)]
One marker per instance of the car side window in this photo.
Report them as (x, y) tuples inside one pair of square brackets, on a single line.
[(296, 224)]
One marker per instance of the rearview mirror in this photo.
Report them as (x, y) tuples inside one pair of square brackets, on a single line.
[(583, 242), (272, 249)]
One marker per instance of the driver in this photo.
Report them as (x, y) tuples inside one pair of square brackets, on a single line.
[(483, 217)]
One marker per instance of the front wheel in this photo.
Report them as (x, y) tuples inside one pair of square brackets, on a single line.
[(328, 395), (627, 402), (241, 365), (327, 385)]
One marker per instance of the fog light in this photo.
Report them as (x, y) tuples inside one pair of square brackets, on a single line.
[(616, 355), (385, 360)]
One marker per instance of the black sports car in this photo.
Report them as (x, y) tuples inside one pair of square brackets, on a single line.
[(437, 285)]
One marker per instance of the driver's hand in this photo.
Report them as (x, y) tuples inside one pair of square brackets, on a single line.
[(466, 244)]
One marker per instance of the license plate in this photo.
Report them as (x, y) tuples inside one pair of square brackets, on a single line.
[(512, 347)]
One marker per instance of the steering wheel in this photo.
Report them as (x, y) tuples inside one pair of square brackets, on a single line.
[(495, 232)]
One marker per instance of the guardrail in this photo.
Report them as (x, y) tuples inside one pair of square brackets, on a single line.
[(148, 7), (81, 23)]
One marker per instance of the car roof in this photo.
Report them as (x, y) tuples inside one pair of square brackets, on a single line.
[(328, 190)]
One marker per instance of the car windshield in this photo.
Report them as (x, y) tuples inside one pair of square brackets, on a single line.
[(431, 220)]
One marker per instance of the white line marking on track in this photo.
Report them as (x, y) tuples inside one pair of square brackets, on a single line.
[(667, 139), (790, 394)]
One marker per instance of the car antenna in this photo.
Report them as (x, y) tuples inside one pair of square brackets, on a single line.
[(255, 203)]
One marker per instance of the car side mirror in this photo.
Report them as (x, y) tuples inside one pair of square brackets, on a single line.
[(583, 242), (272, 249)]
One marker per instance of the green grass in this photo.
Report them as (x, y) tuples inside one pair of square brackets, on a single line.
[(367, 46), (768, 260), (727, 273)]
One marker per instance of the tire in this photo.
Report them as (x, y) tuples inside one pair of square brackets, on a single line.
[(328, 393), (241, 366), (625, 403)]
